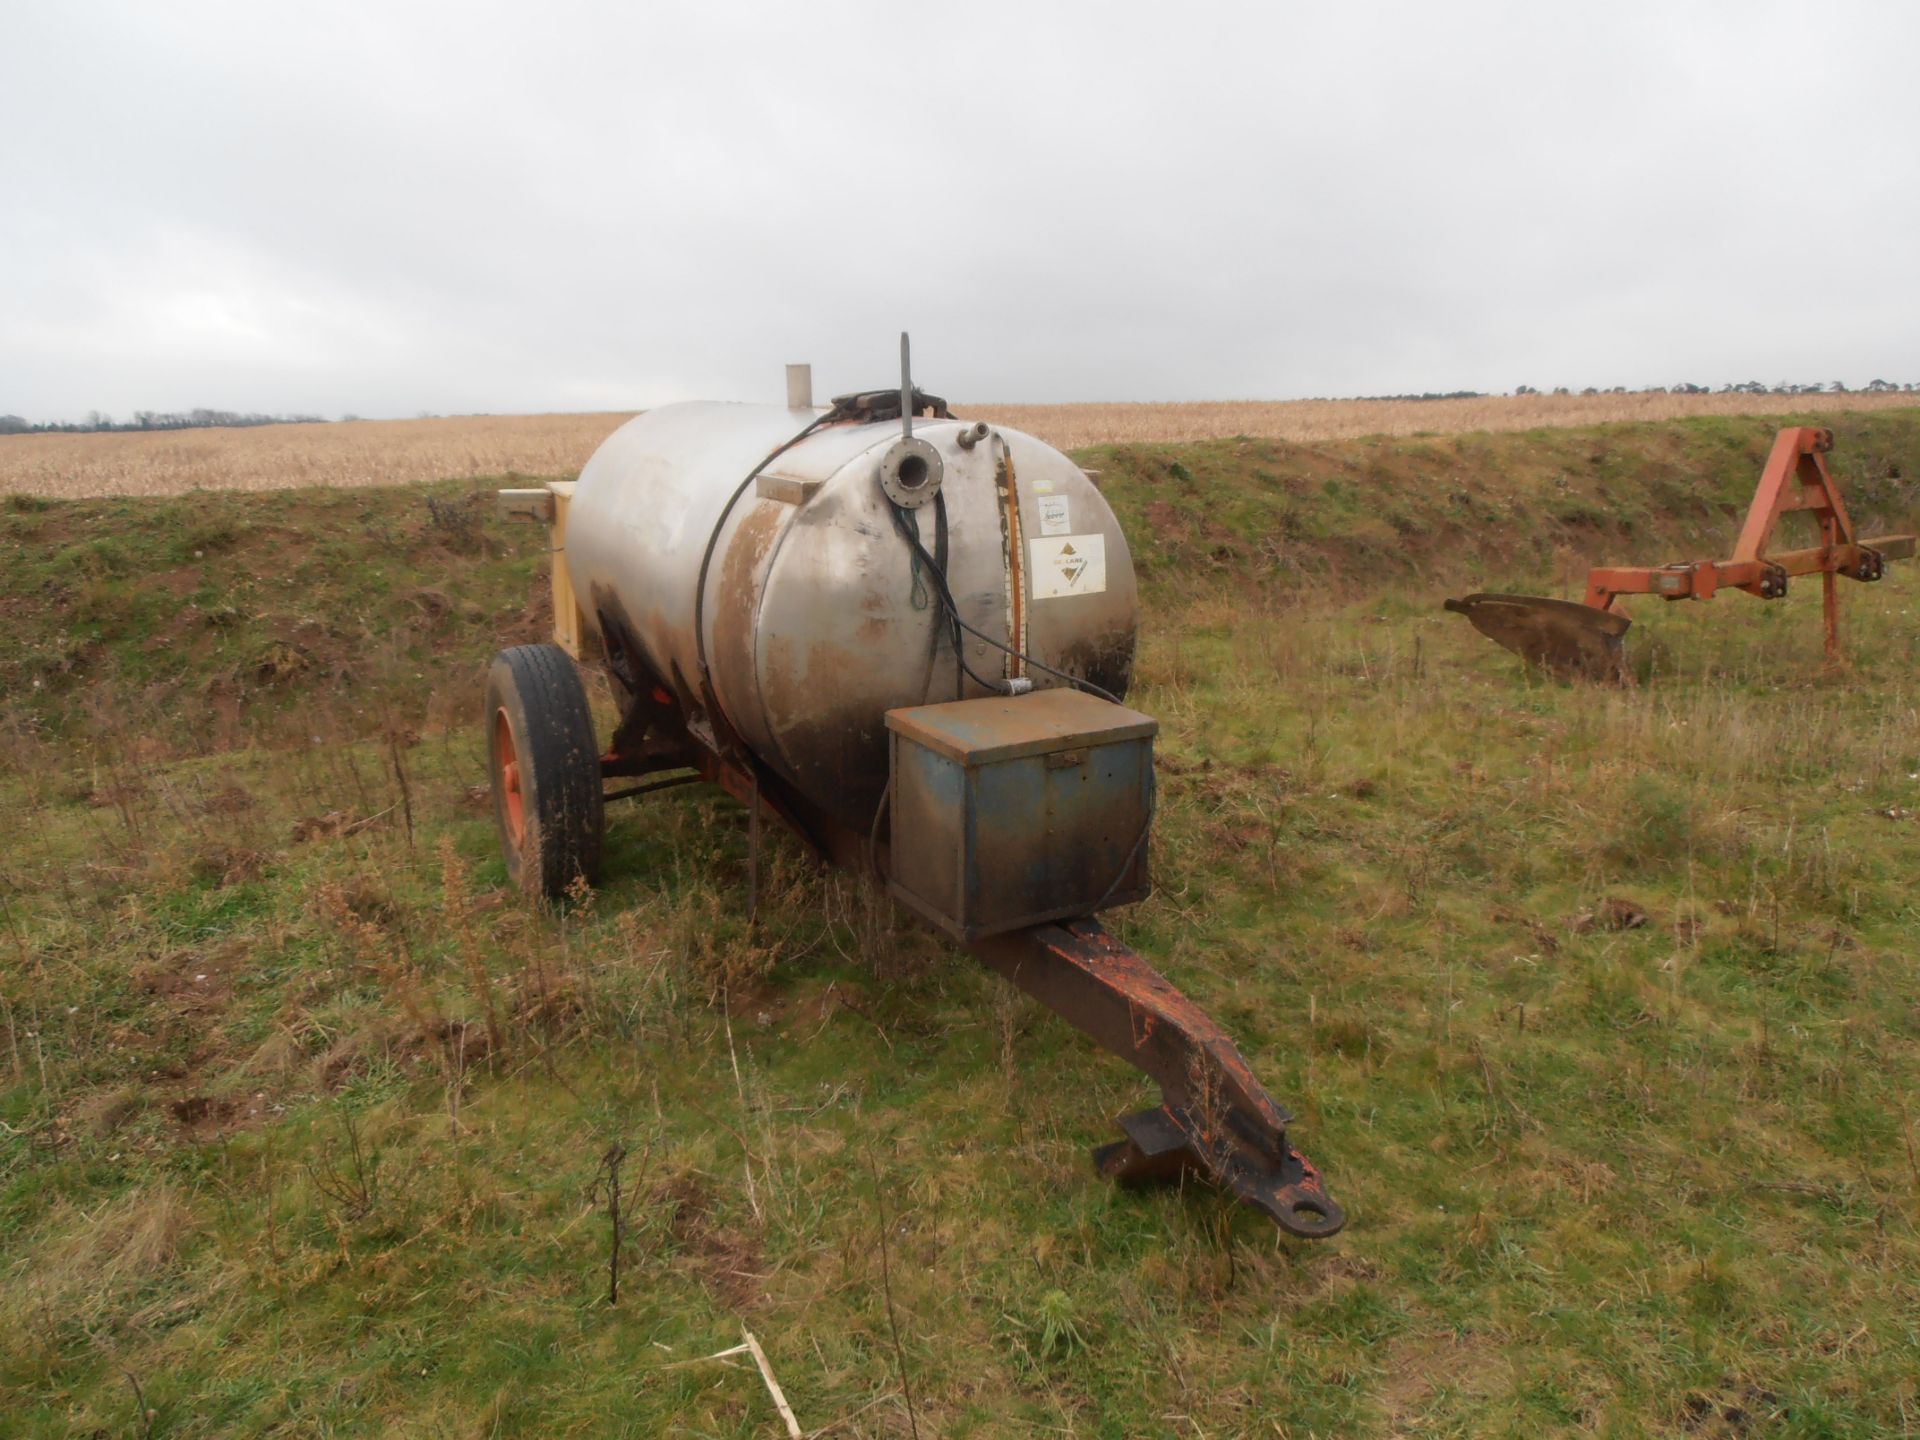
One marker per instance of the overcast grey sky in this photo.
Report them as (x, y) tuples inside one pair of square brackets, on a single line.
[(401, 207)]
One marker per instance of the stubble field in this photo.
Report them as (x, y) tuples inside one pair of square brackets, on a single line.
[(392, 452)]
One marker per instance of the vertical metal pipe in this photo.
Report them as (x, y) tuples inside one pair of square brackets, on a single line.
[(906, 389)]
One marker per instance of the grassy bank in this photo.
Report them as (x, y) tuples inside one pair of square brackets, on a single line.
[(1596, 1007)]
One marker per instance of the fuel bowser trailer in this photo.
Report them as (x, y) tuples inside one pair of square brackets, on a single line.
[(908, 637)]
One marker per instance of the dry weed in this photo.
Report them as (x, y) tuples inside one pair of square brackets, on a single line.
[(378, 952), (95, 1262), (456, 903)]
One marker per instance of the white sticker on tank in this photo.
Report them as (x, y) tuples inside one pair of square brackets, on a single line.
[(1054, 519), (1069, 565)]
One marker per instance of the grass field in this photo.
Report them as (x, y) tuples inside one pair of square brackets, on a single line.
[(390, 452), (1597, 1007)]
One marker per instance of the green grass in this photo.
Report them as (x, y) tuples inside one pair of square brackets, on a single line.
[(303, 1136)]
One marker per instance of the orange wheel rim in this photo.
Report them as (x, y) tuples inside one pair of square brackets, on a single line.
[(506, 762)]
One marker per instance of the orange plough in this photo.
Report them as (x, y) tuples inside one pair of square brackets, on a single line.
[(1585, 640)]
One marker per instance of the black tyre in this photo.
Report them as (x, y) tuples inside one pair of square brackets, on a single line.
[(545, 768)]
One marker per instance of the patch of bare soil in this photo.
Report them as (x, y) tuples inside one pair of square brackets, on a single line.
[(1737, 1410), (203, 1115), (226, 865), (191, 991), (727, 1257), (332, 825), (178, 583), (534, 623), (192, 982), (1610, 914), (229, 799)]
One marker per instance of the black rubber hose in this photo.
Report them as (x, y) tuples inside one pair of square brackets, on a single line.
[(911, 535)]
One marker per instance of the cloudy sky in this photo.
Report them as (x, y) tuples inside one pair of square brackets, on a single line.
[(394, 208)]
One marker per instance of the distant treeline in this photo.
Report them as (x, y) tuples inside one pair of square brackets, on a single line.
[(1431, 395), (1749, 387), (152, 420)]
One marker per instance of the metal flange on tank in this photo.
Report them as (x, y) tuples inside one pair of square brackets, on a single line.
[(911, 470)]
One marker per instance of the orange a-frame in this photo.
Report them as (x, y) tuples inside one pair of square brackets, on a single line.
[(1796, 478)]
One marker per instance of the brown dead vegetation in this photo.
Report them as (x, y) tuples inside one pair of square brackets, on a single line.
[(727, 1256)]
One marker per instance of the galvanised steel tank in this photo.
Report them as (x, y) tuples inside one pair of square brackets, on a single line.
[(748, 560)]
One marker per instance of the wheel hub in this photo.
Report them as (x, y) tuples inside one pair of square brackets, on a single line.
[(513, 804)]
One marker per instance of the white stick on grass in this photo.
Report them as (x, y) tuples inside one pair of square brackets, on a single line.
[(752, 1347), (773, 1386)]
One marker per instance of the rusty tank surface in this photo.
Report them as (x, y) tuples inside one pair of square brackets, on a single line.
[(905, 637), (788, 612)]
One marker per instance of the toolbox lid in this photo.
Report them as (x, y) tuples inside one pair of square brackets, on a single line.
[(1005, 727)]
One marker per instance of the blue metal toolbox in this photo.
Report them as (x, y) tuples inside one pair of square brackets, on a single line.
[(1012, 810)]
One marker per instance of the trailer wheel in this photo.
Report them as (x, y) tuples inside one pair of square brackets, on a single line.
[(545, 768)]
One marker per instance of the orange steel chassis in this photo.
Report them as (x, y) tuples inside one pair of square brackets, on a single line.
[(1796, 478)]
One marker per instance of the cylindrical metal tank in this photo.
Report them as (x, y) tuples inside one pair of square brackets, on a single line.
[(814, 617)]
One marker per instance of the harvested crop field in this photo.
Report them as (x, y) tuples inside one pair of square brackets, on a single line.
[(1307, 421), (286, 457), (389, 452)]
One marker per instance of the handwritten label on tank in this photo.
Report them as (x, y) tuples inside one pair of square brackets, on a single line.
[(1068, 565), (1054, 517)]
